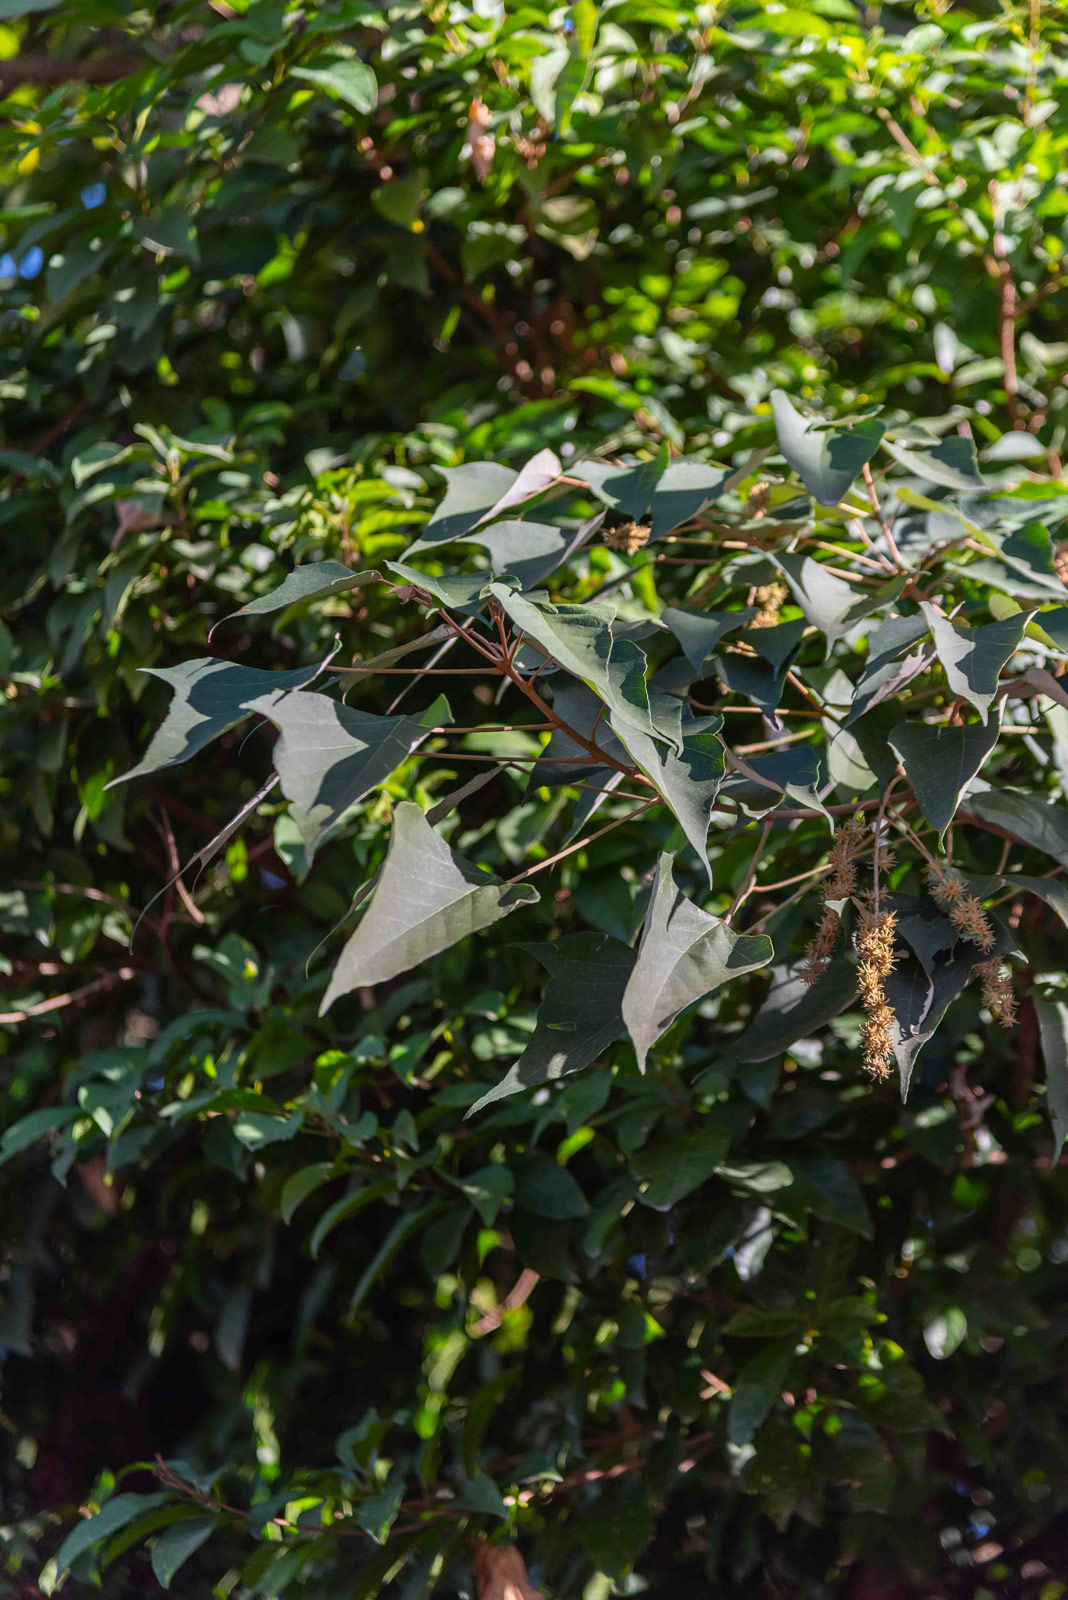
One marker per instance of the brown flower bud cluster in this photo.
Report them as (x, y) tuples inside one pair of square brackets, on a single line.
[(875, 946), (769, 597), (997, 991), (849, 842), (962, 908), (630, 538)]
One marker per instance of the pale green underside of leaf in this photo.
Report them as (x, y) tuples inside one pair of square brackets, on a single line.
[(328, 756), (684, 955), (427, 898), (316, 581), (210, 696)]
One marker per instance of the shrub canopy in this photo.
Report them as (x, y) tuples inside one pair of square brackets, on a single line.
[(535, 745)]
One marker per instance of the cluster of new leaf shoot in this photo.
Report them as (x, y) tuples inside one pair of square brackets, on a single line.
[(832, 648)]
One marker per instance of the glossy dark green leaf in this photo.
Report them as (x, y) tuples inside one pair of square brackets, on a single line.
[(548, 1190), (345, 77), (795, 1010), (113, 1515), (1042, 824), (830, 603), (674, 1165), (177, 1543), (580, 1014), (941, 762), (688, 782), (757, 1387)]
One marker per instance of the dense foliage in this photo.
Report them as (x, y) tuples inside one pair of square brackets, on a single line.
[(457, 1012)]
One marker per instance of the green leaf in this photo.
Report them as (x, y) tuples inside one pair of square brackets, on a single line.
[(315, 581), (945, 1333), (301, 1184), (941, 762), (795, 1010), (27, 1130), (973, 657), (824, 1185), (1024, 565), (1051, 890), (920, 998), (699, 632), (343, 76), (377, 1513), (756, 1389), (684, 954), (615, 1528), (484, 1403), (548, 1190), (950, 462), (676, 1164), (1037, 822), (329, 756), (254, 1129), (210, 696), (177, 1543), (113, 1515), (581, 639), (473, 493), (349, 1205), (487, 1190), (1052, 1016), (764, 781), (426, 899), (580, 1014), (456, 590), (687, 782), (402, 1230), (831, 604), (885, 675), (827, 459)]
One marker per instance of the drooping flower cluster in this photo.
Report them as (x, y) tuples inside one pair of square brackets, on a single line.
[(849, 842), (875, 946)]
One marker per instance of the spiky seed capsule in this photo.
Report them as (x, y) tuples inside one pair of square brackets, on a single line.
[(963, 909), (630, 538), (850, 839), (997, 991), (821, 948)]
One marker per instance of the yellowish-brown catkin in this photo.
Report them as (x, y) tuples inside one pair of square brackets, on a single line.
[(630, 538), (875, 946), (998, 996), (962, 908)]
